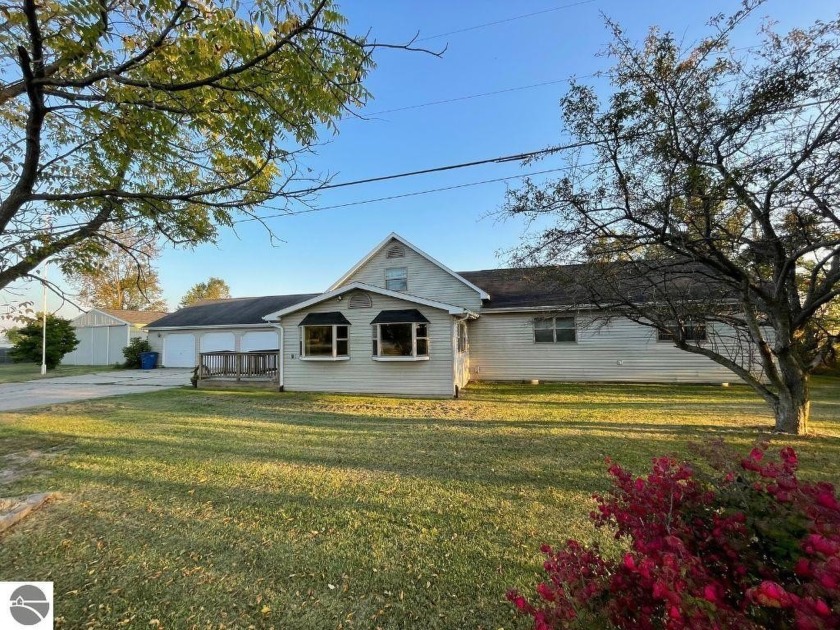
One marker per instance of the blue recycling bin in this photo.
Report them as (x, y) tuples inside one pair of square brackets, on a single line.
[(148, 360)]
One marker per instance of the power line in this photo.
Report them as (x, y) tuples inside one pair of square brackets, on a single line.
[(412, 194), (472, 96), (510, 19), (517, 157)]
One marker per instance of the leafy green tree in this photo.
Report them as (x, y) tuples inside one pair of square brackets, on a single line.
[(61, 339), (213, 289), (171, 116), (716, 165), (121, 277)]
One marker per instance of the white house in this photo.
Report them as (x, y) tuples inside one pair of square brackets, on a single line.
[(104, 332), (401, 322)]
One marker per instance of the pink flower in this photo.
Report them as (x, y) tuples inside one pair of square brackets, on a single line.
[(788, 456), (710, 594)]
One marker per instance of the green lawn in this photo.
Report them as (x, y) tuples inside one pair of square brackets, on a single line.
[(210, 509), (17, 372)]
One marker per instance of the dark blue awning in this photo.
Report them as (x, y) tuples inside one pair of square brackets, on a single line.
[(407, 316), (333, 318)]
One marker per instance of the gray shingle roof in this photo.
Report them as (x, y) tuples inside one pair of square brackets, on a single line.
[(570, 285), (526, 287), (233, 312)]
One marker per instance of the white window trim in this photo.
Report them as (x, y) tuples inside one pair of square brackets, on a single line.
[(321, 357), (414, 356), (554, 341), (403, 268)]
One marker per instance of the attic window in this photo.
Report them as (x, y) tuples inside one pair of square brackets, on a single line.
[(360, 300), (395, 251), (396, 278)]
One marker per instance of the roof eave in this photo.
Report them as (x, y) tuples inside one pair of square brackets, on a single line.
[(449, 308)]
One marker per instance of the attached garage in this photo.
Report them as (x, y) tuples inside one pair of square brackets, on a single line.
[(230, 325), (218, 342), (179, 351), (262, 340), (103, 333)]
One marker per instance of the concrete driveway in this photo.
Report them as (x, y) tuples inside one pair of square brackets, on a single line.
[(63, 389)]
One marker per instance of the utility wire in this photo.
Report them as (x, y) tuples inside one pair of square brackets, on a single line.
[(504, 21), (472, 96), (412, 194), (517, 157)]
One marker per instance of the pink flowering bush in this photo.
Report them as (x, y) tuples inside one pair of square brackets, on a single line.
[(751, 546)]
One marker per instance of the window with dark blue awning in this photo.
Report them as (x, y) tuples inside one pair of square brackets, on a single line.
[(333, 318), (406, 316)]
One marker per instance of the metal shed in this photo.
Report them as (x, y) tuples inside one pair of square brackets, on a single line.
[(103, 333)]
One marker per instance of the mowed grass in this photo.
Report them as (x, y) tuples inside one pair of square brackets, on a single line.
[(19, 372), (210, 509)]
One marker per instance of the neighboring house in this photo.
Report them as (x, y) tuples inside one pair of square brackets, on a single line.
[(401, 322), (104, 332), (5, 347)]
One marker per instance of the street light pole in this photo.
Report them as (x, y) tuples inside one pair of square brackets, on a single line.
[(44, 325)]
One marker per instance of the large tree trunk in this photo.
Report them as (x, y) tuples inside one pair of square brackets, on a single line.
[(794, 405)]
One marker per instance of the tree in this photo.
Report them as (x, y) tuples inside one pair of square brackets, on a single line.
[(168, 115), (121, 276), (61, 339), (712, 168), (213, 289)]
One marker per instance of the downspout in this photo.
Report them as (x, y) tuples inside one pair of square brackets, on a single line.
[(281, 360)]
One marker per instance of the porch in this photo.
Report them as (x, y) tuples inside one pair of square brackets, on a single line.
[(258, 366)]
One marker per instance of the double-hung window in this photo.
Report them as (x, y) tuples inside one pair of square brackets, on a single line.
[(396, 278), (400, 336), (554, 330), (325, 336), (695, 330)]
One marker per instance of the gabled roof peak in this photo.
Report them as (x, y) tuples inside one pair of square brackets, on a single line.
[(393, 236)]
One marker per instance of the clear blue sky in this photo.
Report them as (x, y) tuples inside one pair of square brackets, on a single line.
[(455, 226)]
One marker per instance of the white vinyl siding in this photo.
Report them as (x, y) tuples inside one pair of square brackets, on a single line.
[(425, 279), (360, 373), (502, 347)]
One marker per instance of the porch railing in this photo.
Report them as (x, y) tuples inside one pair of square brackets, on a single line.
[(258, 365)]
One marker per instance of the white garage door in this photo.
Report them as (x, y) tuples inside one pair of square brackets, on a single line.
[(179, 351), (259, 341), (214, 342)]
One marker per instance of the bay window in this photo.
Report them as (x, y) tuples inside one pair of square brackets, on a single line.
[(400, 336), (325, 336)]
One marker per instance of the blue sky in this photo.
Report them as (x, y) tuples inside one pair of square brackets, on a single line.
[(457, 226)]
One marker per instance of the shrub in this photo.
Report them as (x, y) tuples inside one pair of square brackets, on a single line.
[(61, 339), (749, 546), (132, 352)]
